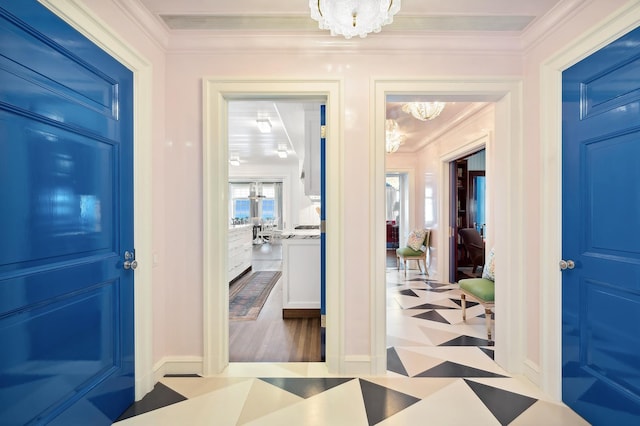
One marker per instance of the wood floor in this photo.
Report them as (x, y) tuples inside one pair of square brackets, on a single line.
[(271, 338)]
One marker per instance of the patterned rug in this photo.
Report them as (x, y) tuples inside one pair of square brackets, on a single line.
[(248, 294)]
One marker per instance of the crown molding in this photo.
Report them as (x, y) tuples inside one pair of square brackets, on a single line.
[(255, 42), (153, 27), (547, 24)]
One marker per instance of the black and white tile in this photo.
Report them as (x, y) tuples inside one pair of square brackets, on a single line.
[(440, 371)]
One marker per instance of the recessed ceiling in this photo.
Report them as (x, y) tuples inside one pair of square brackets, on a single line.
[(304, 23), (293, 15)]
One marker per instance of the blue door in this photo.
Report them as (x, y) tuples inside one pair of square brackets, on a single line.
[(323, 234), (601, 235), (66, 220)]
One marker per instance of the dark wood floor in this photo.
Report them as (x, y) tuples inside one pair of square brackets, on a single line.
[(273, 339)]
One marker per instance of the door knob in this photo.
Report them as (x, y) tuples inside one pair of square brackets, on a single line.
[(130, 261), (567, 264), (130, 264)]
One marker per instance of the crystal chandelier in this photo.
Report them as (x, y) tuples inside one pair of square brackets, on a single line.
[(393, 137), (353, 17), (423, 110)]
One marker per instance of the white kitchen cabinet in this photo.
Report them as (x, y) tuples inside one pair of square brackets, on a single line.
[(311, 162), (240, 241), (301, 273)]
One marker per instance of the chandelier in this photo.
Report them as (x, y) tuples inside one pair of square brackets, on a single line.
[(353, 17), (393, 137), (423, 110)]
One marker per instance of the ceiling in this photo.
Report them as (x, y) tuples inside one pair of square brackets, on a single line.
[(508, 17), (293, 15)]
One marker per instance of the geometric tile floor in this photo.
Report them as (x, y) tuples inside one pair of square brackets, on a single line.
[(440, 372)]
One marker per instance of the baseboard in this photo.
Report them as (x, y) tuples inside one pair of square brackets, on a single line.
[(177, 365), (242, 274), (358, 365), (532, 371), (300, 313)]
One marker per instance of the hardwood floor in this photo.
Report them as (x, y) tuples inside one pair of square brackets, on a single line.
[(271, 338)]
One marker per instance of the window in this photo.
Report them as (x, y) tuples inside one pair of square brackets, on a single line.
[(392, 188), (430, 201), (240, 205), (429, 207), (268, 211)]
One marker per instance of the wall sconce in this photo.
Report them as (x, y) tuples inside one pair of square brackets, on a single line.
[(264, 125)]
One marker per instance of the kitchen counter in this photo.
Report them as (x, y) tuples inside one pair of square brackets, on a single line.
[(299, 234)]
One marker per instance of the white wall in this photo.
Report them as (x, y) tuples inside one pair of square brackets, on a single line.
[(185, 71), (177, 114)]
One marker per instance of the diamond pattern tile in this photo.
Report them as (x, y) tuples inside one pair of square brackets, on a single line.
[(438, 368), (504, 405), (381, 402)]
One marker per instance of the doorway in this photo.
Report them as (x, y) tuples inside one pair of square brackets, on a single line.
[(397, 212), (467, 215), (271, 194), (503, 146), (217, 94)]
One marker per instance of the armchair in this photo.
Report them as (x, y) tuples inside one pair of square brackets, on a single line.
[(474, 245), (418, 241)]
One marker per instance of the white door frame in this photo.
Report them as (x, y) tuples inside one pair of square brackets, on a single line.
[(613, 27), (83, 20), (216, 94), (507, 205)]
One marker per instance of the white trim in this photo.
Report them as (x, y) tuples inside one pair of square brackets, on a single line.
[(83, 20), (216, 93), (146, 21), (613, 27), (177, 365), (505, 165), (542, 28), (357, 365), (532, 371), (225, 42)]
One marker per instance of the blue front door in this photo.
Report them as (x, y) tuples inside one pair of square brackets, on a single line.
[(601, 235), (66, 220)]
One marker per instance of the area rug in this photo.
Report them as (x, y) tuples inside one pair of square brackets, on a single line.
[(248, 294)]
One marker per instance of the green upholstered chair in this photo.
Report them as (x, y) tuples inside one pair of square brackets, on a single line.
[(482, 290), (412, 251)]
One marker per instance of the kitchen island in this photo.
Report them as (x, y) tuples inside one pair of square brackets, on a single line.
[(239, 239), (300, 273)]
